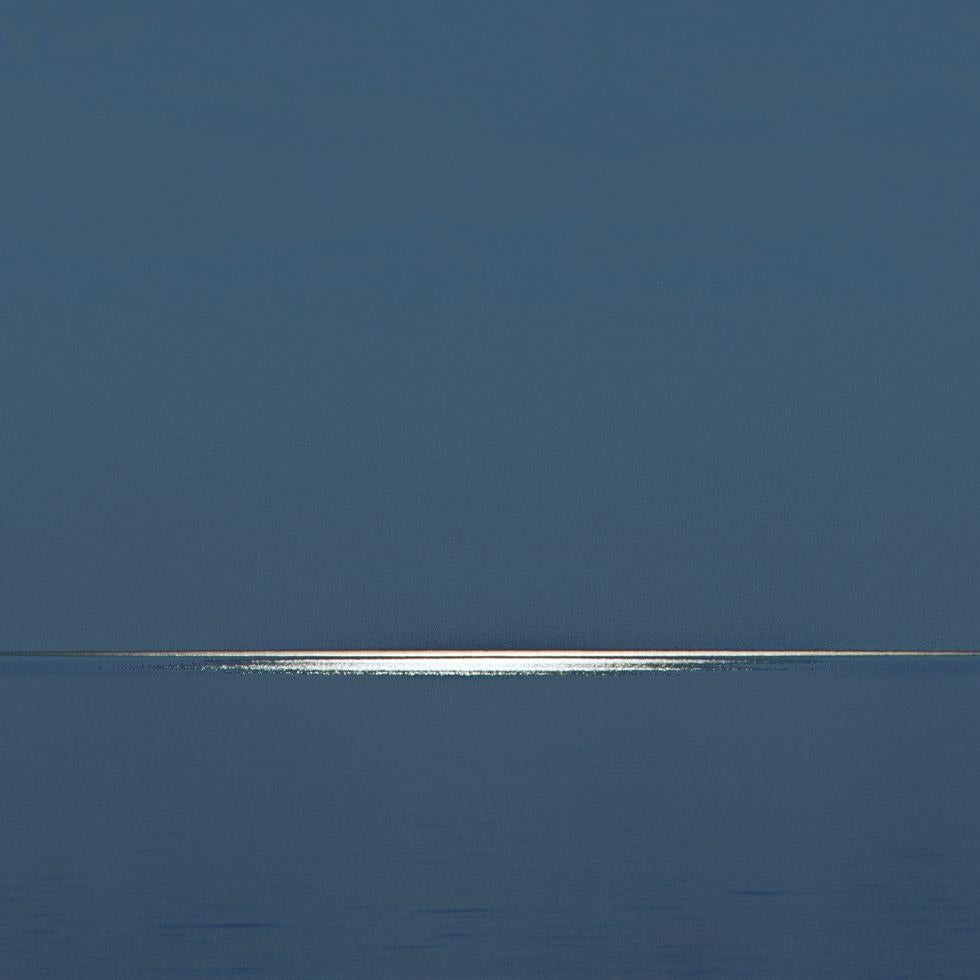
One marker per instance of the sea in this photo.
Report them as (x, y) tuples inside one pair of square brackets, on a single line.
[(490, 816)]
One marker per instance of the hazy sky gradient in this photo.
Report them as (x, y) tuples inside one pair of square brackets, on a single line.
[(490, 324)]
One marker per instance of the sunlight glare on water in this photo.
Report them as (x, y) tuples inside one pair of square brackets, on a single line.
[(485, 664)]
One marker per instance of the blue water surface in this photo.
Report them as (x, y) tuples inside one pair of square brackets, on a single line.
[(202, 817)]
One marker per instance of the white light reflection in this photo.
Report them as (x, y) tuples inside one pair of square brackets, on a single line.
[(480, 664), (491, 662)]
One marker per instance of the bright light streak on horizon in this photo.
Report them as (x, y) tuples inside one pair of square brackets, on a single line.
[(469, 665), (492, 662)]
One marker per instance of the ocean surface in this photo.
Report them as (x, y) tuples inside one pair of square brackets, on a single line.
[(292, 817)]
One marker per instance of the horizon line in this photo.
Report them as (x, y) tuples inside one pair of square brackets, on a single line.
[(502, 653)]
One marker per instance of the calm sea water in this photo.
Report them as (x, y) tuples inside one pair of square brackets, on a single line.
[(734, 817)]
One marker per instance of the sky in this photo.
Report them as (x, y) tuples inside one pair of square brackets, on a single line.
[(511, 324)]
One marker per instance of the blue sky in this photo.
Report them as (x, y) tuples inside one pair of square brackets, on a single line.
[(489, 325)]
